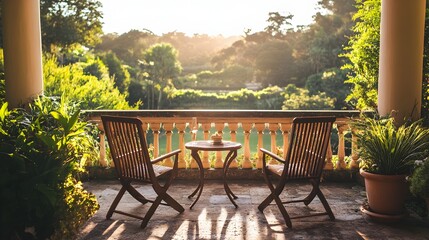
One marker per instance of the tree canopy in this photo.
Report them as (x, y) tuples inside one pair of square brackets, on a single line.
[(363, 53), (67, 22), (161, 65)]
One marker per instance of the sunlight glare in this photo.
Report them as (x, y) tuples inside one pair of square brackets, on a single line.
[(225, 17)]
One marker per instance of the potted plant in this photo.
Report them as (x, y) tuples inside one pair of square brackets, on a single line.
[(387, 154), (419, 180)]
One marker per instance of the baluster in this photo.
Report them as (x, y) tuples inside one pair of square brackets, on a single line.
[(260, 127), (341, 164), (155, 128), (168, 127), (102, 160), (329, 165), (354, 162), (181, 130), (286, 129), (194, 131), (273, 129), (246, 160), (219, 129), (206, 129), (194, 128), (233, 131)]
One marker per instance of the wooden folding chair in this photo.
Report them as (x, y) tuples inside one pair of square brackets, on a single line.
[(304, 160), (130, 154)]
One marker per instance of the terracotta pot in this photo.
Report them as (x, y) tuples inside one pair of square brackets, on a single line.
[(386, 193)]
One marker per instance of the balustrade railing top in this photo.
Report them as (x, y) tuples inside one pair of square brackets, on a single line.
[(224, 113)]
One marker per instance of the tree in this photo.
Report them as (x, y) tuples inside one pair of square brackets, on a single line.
[(300, 99), (274, 63), (330, 82), (67, 22), (161, 63), (128, 47), (277, 23), (363, 52), (117, 71), (318, 46)]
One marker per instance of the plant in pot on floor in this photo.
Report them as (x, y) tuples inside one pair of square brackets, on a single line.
[(419, 182), (387, 154)]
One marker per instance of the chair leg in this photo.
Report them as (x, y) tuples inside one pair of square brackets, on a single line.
[(266, 202), (317, 192), (115, 202), (311, 196), (325, 204), (151, 211), (275, 193), (162, 192), (270, 197), (173, 203), (283, 211), (133, 192)]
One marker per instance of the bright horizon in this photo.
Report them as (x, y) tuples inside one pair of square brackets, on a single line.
[(212, 17)]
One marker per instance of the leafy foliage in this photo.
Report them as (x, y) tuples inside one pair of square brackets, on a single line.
[(419, 180), (42, 151), (363, 53), (274, 98), (117, 71), (300, 99), (233, 78), (91, 92), (387, 149), (68, 22), (161, 65), (96, 68), (330, 82)]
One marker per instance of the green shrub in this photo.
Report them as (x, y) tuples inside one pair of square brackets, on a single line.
[(299, 99), (89, 91), (420, 179), (42, 151), (96, 68)]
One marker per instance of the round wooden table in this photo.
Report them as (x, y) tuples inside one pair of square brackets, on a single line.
[(196, 146)]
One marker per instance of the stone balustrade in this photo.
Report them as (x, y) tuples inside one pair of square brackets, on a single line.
[(271, 128)]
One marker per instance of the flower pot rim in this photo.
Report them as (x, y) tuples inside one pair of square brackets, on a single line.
[(366, 174)]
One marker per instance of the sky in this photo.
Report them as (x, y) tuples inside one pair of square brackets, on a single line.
[(212, 17)]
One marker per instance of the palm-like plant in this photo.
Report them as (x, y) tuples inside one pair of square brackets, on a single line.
[(387, 149)]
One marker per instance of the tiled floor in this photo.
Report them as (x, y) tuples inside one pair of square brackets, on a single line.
[(214, 217)]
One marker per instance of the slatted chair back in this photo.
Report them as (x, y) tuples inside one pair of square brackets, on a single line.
[(308, 145), (128, 147)]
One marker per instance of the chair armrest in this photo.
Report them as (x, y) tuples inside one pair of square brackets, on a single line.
[(162, 157), (271, 154)]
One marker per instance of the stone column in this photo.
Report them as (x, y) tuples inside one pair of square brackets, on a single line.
[(22, 50), (401, 58)]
